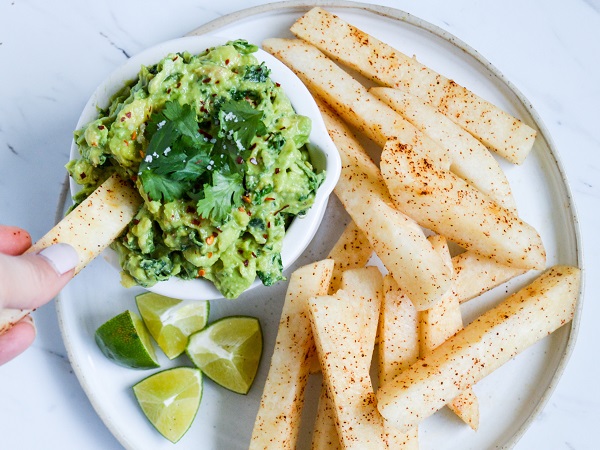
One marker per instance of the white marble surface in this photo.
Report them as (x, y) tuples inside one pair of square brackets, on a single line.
[(52, 55)]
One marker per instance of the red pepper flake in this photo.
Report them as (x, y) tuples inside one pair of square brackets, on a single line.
[(210, 239), (82, 175), (265, 235), (246, 199), (227, 62), (196, 222), (206, 80), (134, 178), (253, 255), (134, 135), (209, 254), (268, 224), (281, 209), (239, 160), (101, 127), (176, 58), (128, 114), (215, 234), (277, 84), (122, 119), (135, 221), (169, 91), (269, 199), (178, 85), (204, 133), (201, 272), (276, 170), (240, 251), (190, 209), (246, 262)]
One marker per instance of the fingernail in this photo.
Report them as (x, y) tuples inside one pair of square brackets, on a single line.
[(62, 257)]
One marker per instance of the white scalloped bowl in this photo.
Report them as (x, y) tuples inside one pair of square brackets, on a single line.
[(323, 152)]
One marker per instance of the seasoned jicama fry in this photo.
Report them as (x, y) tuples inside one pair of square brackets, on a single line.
[(351, 251), (398, 241), (475, 274), (350, 99), (338, 325), (469, 159), (481, 347), (398, 349), (91, 227), (439, 323), (360, 286), (446, 204), (278, 419), (498, 130)]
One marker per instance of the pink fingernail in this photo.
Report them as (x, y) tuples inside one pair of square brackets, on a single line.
[(61, 256)]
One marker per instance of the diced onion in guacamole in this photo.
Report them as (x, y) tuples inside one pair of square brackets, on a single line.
[(219, 157)]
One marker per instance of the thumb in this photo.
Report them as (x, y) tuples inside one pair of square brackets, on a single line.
[(31, 280)]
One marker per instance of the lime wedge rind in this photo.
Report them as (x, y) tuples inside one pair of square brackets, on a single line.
[(125, 340)]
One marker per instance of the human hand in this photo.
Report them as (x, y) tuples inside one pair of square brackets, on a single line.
[(28, 281)]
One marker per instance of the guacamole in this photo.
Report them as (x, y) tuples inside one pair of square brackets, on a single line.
[(219, 157)]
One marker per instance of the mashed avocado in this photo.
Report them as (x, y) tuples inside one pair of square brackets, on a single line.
[(219, 157)]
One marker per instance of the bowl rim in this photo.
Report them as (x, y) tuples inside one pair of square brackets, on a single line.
[(302, 229)]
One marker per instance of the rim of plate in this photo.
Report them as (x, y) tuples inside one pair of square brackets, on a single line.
[(396, 14)]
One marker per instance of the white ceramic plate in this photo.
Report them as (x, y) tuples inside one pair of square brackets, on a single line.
[(509, 398)]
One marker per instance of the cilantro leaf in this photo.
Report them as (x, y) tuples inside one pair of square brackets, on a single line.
[(177, 154), (162, 139), (243, 46), (159, 186), (219, 198), (192, 168), (184, 119), (241, 120)]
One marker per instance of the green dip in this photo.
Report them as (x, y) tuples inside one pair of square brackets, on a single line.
[(218, 155)]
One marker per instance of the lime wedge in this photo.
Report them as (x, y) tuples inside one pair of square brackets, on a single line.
[(171, 321), (126, 341), (228, 351), (170, 400)]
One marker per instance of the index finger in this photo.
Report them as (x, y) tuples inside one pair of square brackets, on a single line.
[(13, 240)]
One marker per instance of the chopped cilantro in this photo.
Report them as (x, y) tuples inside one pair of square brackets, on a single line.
[(258, 73), (219, 197), (177, 154)]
